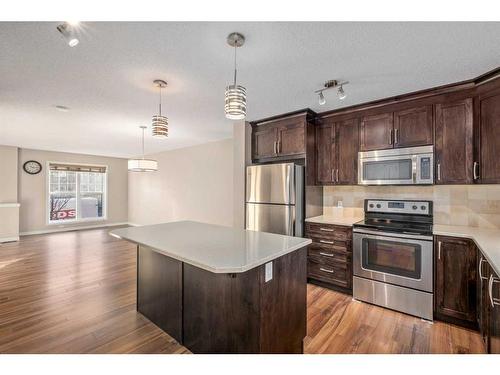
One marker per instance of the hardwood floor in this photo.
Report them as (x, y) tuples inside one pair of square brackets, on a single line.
[(75, 292)]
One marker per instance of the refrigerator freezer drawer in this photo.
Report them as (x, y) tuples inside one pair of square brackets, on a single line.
[(272, 218), (271, 183)]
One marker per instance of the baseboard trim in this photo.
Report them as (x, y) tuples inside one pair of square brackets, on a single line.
[(134, 224), (9, 239), (69, 229)]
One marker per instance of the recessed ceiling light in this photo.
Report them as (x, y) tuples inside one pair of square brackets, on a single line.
[(62, 108)]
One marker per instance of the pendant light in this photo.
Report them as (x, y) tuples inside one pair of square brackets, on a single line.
[(142, 165), (159, 123), (235, 105)]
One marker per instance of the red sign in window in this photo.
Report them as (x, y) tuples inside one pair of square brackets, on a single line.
[(65, 214)]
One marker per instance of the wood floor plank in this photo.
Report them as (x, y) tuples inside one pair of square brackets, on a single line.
[(75, 292)]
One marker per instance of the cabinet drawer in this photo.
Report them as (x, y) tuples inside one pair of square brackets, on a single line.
[(327, 231), (327, 272), (332, 252)]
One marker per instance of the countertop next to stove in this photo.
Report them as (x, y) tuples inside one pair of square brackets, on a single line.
[(488, 240), (347, 221)]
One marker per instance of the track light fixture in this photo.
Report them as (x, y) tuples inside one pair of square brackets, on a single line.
[(67, 30), (333, 83)]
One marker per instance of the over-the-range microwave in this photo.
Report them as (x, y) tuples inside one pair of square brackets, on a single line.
[(401, 166)]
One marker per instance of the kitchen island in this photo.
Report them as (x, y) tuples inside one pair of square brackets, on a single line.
[(218, 289)]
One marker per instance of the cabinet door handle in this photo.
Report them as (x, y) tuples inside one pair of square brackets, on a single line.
[(326, 254), (493, 301), (326, 229), (390, 137), (274, 147), (396, 136), (327, 242), (439, 250), (337, 175), (278, 147), (325, 270), (439, 171), (475, 170), (481, 277), (333, 175)]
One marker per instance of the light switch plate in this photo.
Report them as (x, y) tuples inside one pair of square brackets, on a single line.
[(269, 272), (340, 204)]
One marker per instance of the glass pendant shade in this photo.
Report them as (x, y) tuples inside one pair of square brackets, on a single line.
[(235, 105), (142, 165), (159, 125)]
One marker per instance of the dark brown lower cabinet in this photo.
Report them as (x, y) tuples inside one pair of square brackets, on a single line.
[(329, 257), (484, 272), (226, 312), (493, 313), (455, 290)]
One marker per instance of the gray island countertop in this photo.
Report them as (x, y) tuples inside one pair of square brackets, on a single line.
[(214, 248)]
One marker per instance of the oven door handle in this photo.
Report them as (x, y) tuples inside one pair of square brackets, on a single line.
[(385, 235)]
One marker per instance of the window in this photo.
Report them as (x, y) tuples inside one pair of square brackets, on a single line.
[(76, 193)]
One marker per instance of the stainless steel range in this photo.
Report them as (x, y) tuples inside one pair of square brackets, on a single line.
[(393, 256)]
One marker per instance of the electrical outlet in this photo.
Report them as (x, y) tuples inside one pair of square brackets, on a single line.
[(269, 272), (340, 204)]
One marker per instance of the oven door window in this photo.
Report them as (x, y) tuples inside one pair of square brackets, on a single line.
[(392, 257), (387, 170)]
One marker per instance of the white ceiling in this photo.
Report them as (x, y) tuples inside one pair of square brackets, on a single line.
[(107, 79)]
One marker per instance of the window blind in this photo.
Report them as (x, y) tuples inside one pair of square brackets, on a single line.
[(77, 168)]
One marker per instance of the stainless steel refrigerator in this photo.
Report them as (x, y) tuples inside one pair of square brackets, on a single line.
[(275, 198)]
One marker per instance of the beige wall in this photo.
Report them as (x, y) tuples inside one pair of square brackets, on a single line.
[(8, 174), (194, 183), (9, 208), (471, 205), (33, 189)]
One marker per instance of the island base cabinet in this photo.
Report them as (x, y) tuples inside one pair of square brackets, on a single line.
[(243, 312), (159, 290)]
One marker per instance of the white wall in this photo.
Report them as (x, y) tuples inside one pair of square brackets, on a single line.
[(193, 183), (33, 190)]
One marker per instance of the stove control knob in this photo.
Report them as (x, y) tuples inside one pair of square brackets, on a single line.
[(371, 205), (414, 207), (422, 207), (378, 205)]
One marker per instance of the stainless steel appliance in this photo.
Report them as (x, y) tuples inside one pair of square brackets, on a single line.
[(399, 166), (275, 198), (393, 256)]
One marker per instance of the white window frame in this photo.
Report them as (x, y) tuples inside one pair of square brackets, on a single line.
[(77, 196)]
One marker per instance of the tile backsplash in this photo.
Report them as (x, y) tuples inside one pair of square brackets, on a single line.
[(471, 205)]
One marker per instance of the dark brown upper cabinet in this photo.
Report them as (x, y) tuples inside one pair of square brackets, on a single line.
[(285, 138), (264, 142), (413, 127), (337, 152), (347, 142), (376, 132), (487, 166), (455, 280), (325, 141), (454, 142), (406, 128), (291, 139)]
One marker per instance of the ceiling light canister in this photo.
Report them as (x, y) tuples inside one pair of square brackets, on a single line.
[(235, 99), (322, 99), (341, 93), (68, 32)]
